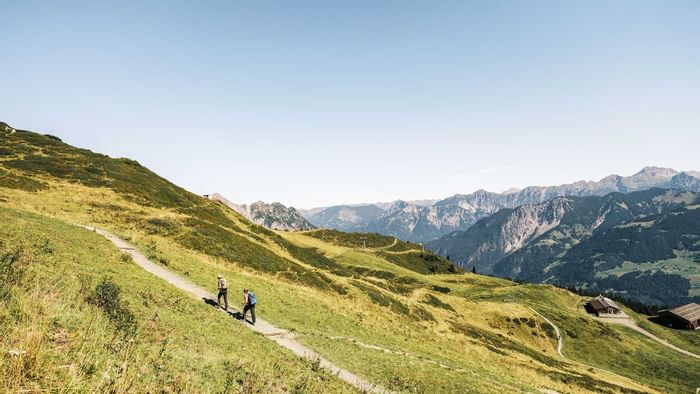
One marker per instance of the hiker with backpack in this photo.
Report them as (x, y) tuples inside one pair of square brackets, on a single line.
[(249, 302), (223, 291)]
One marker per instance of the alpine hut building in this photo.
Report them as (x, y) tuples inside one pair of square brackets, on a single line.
[(685, 316), (603, 306)]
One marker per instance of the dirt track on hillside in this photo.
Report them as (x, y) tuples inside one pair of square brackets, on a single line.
[(281, 336), (627, 322)]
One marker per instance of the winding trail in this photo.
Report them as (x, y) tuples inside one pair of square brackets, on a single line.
[(281, 336), (560, 340), (560, 349), (627, 322)]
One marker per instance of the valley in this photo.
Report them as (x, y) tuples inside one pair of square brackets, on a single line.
[(643, 245)]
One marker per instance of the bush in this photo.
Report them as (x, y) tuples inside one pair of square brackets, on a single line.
[(423, 314), (106, 296), (441, 289), (436, 302), (11, 270)]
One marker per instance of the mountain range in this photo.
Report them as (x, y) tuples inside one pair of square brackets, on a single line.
[(643, 244), (428, 220), (271, 215)]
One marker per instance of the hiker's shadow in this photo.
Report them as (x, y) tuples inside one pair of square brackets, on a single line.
[(211, 302)]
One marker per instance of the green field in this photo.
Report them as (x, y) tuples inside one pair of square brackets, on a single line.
[(685, 266)]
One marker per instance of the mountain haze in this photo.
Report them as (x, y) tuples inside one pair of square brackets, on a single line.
[(344, 217), (423, 223)]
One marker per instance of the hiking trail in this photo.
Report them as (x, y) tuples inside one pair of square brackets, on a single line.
[(281, 336), (629, 323)]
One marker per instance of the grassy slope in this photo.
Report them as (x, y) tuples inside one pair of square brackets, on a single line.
[(70, 344), (350, 303), (636, 356)]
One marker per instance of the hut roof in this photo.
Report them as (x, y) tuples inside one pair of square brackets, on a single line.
[(601, 302), (689, 312)]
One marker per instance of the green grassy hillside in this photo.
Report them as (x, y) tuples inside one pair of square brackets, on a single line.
[(155, 338), (386, 310)]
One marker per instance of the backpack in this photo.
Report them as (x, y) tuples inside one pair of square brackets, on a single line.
[(251, 298)]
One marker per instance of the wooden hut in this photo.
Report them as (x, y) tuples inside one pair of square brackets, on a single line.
[(685, 316), (603, 306)]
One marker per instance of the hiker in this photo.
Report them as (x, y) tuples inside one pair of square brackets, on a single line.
[(221, 286), (249, 302)]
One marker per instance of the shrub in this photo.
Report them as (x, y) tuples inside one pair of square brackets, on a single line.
[(46, 247), (549, 330), (434, 301), (423, 314), (20, 182), (106, 296), (53, 137), (11, 270), (441, 289), (399, 383)]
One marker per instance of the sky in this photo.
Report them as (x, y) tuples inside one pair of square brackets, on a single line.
[(315, 103)]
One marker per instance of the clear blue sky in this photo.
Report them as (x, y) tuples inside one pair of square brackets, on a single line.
[(316, 103)]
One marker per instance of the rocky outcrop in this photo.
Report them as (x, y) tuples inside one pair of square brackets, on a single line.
[(274, 216)]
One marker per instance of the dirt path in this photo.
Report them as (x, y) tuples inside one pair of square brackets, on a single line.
[(560, 341), (624, 321), (281, 336), (560, 349), (627, 322)]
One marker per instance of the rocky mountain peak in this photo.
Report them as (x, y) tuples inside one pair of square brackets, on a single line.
[(611, 179), (656, 172), (273, 215), (398, 205)]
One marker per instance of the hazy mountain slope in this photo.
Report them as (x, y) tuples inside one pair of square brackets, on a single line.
[(274, 216), (354, 217), (654, 257), (423, 223), (552, 241), (364, 303), (345, 217)]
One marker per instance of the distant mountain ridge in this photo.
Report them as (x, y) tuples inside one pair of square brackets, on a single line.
[(423, 223), (271, 215), (645, 244)]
